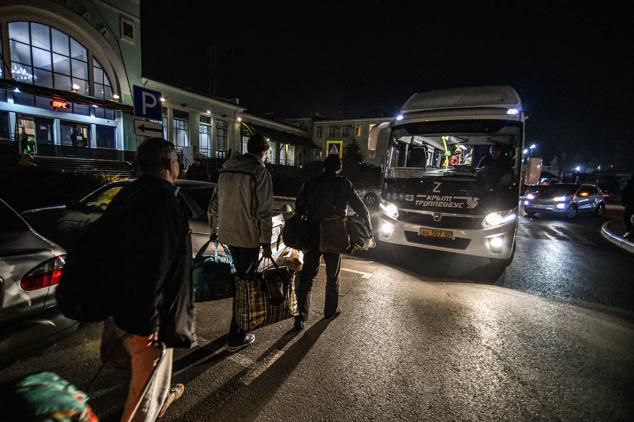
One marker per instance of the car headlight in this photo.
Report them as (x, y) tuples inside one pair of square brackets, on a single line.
[(560, 198), (390, 210), (499, 218), (530, 196)]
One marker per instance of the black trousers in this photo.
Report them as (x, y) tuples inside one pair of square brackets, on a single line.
[(245, 260), (307, 276)]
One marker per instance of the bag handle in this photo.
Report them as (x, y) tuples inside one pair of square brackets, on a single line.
[(202, 250), (263, 259)]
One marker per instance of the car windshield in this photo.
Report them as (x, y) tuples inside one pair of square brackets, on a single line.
[(11, 221), (202, 196), (557, 189), (453, 148)]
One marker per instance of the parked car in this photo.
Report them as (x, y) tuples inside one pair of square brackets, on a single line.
[(30, 268), (65, 223), (564, 199)]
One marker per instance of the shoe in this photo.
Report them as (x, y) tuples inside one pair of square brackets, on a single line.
[(175, 393), (248, 340), (299, 324)]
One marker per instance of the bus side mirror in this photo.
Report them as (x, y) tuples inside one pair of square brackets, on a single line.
[(375, 133)]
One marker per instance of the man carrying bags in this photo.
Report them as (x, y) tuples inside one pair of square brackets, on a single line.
[(321, 197), (240, 216)]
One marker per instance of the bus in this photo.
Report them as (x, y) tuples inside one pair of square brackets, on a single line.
[(451, 172)]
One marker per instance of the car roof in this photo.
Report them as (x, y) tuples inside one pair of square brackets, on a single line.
[(184, 183)]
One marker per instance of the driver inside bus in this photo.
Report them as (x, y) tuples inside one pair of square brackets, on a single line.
[(495, 158)]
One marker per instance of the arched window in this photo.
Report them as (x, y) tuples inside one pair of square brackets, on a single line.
[(101, 85), (45, 56)]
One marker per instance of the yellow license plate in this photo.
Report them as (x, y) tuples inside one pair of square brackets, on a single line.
[(442, 234)]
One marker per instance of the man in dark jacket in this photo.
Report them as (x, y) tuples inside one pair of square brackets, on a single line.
[(324, 196), (155, 306)]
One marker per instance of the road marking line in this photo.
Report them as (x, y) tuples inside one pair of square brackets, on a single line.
[(242, 360), (260, 368), (364, 274)]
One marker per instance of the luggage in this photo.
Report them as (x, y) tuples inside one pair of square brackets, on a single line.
[(264, 298), (296, 233), (345, 235), (333, 237), (213, 275), (291, 258), (45, 396), (360, 234), (89, 279)]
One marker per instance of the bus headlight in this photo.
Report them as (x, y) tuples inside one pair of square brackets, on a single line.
[(390, 210), (499, 218), (387, 229)]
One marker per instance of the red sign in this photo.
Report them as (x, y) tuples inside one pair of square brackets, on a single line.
[(60, 104)]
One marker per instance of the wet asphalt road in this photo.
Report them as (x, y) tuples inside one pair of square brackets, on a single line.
[(422, 336)]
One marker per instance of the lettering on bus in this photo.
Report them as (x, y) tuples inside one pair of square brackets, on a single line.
[(447, 201)]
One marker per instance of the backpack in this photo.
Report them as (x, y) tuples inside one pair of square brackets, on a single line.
[(88, 284), (90, 279)]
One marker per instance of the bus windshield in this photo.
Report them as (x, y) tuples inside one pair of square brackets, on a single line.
[(445, 148)]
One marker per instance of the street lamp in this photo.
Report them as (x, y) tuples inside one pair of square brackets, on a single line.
[(533, 146)]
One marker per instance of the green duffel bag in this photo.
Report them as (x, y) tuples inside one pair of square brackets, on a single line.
[(213, 275), (45, 396)]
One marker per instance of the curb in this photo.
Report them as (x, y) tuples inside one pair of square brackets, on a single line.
[(616, 239)]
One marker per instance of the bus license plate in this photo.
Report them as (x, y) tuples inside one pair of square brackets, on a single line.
[(442, 234)]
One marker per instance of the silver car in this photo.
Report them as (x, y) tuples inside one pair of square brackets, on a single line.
[(65, 223), (30, 268), (566, 199)]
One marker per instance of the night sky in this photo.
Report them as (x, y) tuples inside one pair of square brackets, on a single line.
[(572, 66)]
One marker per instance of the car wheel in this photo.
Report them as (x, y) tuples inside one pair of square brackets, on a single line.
[(530, 214), (371, 200), (600, 210), (572, 211)]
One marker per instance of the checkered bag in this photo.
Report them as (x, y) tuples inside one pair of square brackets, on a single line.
[(264, 298)]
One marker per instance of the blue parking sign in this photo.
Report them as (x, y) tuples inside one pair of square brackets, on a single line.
[(147, 103)]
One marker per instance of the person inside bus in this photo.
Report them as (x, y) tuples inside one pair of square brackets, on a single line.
[(495, 158), (456, 158)]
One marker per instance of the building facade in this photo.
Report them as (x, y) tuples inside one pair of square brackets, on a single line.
[(344, 131), (66, 89)]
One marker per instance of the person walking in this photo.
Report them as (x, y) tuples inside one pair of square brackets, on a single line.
[(240, 216), (154, 312), (324, 196)]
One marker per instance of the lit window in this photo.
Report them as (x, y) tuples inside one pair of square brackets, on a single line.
[(101, 83), (204, 139), (44, 56), (221, 138), (357, 131)]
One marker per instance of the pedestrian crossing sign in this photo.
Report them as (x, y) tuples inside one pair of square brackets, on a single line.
[(334, 147)]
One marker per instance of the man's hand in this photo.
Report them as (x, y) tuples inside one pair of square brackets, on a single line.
[(266, 251), (213, 236)]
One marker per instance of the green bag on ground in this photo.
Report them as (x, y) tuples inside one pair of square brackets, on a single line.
[(45, 396)]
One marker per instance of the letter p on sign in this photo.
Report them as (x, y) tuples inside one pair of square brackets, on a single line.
[(147, 103)]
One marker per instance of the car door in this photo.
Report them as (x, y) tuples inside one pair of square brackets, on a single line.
[(585, 198)]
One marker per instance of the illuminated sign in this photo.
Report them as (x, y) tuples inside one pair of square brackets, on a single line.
[(60, 104), (334, 147)]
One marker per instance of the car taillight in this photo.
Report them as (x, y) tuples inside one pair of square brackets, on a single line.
[(44, 275)]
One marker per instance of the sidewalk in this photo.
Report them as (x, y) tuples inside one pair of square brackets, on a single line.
[(613, 231)]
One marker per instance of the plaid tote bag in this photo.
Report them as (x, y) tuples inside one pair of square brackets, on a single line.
[(264, 298)]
